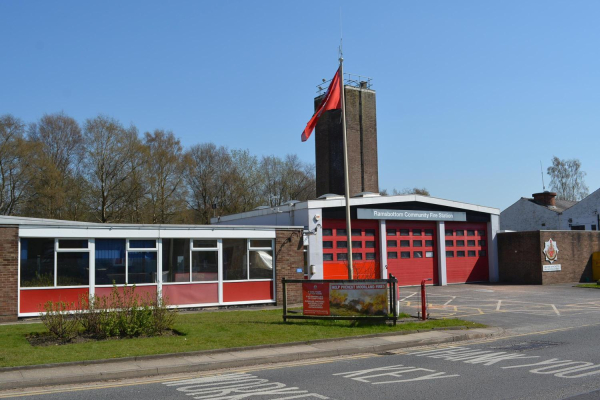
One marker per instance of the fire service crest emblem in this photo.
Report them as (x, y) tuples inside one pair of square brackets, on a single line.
[(551, 251)]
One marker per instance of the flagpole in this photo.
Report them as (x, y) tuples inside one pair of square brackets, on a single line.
[(346, 180)]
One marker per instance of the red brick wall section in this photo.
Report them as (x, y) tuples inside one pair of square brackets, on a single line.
[(289, 257), (9, 247)]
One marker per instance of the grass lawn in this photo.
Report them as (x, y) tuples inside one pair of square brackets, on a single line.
[(589, 285), (200, 331)]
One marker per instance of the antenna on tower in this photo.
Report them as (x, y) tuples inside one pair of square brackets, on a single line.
[(542, 171)]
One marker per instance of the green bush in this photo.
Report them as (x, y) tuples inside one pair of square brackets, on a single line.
[(59, 322)]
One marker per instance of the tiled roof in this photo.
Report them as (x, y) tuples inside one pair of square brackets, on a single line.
[(561, 205)]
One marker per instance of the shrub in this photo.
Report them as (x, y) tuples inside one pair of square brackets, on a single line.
[(58, 321)]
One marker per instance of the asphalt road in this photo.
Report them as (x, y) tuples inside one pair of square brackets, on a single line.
[(550, 352)]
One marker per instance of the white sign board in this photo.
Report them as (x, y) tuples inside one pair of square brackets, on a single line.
[(550, 268)]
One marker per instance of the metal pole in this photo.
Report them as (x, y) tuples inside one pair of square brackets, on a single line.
[(346, 180), (283, 283)]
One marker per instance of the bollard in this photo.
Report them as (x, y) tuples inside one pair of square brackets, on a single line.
[(424, 300)]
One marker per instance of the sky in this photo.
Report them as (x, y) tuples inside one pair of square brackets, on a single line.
[(471, 95)]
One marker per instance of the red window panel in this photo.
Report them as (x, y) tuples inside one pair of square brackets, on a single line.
[(468, 261)]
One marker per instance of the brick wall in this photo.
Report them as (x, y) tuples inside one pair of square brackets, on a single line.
[(289, 257), (9, 245), (521, 256)]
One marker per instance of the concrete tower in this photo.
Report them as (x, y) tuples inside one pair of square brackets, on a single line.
[(361, 131)]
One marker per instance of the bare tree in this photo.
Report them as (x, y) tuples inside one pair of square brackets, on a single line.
[(420, 191), (567, 179), (112, 156), (14, 165)]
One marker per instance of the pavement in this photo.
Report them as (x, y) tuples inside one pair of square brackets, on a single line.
[(136, 367)]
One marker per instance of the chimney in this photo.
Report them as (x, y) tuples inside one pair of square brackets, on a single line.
[(546, 199)]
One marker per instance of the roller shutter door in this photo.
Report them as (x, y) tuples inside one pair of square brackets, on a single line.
[(466, 252), (411, 251)]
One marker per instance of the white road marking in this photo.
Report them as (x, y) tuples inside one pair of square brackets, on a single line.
[(498, 306), (408, 297), (374, 375), (448, 302), (555, 309)]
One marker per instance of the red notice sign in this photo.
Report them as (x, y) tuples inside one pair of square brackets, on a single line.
[(315, 298)]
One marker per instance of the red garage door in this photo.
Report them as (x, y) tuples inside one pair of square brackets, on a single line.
[(365, 249), (466, 252), (411, 251)]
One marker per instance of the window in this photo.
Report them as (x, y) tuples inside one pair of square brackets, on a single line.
[(471, 243), (460, 233), (481, 233), (37, 262), (370, 256), (417, 243), (429, 254), (327, 232), (341, 232), (417, 232), (449, 243), (72, 269), (460, 243), (266, 243), (235, 263), (141, 261), (356, 256), (471, 253), (449, 232), (369, 232), (342, 256), (72, 244), (142, 244), (449, 254), (405, 243), (470, 233), (460, 253), (405, 254), (205, 259), (391, 232), (175, 260), (429, 243), (370, 245), (482, 253), (392, 255), (327, 257), (404, 232), (242, 260), (356, 232), (328, 244), (212, 244), (356, 244), (342, 245), (482, 243), (392, 243), (261, 264), (110, 261), (428, 232), (417, 254)]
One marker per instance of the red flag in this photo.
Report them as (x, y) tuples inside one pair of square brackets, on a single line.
[(331, 101)]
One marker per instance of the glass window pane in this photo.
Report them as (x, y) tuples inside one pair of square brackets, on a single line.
[(73, 269), (356, 244), (429, 254), (370, 245), (428, 232), (392, 255), (471, 253), (482, 243), (460, 253), (417, 232), (449, 254), (482, 253), (141, 267), (342, 245), (327, 232), (110, 261), (470, 233), (449, 243), (429, 243), (369, 232), (327, 244), (417, 254), (405, 254), (470, 243), (327, 257), (405, 243), (481, 233), (142, 244), (391, 232), (37, 262), (357, 256), (235, 264), (460, 233), (356, 232), (417, 243), (341, 232), (210, 244), (261, 264), (460, 243), (176, 260), (370, 256), (404, 232), (392, 243), (259, 243), (342, 256), (205, 266), (449, 232), (72, 244)]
